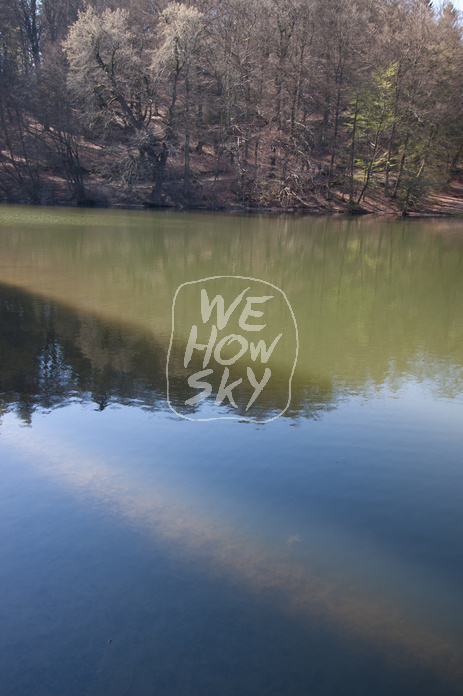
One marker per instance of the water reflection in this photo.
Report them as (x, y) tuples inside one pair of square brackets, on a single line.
[(375, 301), (350, 523), (376, 305), (52, 355)]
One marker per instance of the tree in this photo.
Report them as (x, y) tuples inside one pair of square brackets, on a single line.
[(107, 72), (180, 29), (56, 17)]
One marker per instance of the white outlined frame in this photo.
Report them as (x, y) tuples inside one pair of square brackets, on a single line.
[(232, 417)]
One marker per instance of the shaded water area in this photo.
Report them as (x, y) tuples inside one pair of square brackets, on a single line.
[(142, 553)]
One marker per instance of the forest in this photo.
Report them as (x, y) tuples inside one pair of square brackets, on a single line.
[(316, 105)]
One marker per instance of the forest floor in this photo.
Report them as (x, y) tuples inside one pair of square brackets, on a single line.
[(215, 185), (222, 183), (450, 201)]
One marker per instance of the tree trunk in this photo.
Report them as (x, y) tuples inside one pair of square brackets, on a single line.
[(352, 152), (401, 168), (372, 161), (186, 175), (339, 80), (391, 140)]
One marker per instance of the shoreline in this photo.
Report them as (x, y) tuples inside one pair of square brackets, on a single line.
[(425, 212)]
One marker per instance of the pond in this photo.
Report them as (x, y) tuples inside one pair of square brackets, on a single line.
[(308, 543)]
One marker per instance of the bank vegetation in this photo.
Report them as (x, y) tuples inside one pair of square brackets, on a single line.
[(290, 104)]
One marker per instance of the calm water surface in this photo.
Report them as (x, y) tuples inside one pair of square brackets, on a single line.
[(145, 554)]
